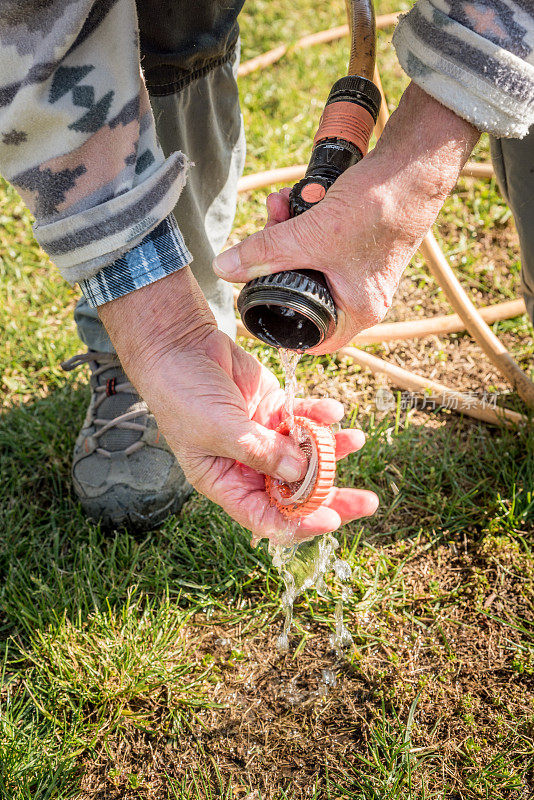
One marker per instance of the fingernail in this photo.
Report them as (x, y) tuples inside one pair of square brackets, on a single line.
[(290, 469), (227, 263)]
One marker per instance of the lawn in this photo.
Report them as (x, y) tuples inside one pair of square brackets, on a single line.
[(145, 667)]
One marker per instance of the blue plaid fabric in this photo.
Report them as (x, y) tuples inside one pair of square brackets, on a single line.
[(161, 252)]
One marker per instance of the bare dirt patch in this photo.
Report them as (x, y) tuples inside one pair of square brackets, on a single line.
[(448, 641)]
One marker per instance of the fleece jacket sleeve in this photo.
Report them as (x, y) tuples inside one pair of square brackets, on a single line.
[(474, 56), (78, 141)]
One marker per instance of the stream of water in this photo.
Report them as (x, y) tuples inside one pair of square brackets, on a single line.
[(304, 566), (289, 360)]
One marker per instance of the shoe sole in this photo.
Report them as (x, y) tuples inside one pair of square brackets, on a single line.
[(125, 513)]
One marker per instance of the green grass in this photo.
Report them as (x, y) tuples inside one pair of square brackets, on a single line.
[(144, 666)]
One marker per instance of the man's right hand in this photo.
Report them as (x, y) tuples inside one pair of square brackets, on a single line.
[(365, 231)]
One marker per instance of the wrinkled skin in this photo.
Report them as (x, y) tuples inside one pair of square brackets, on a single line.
[(224, 438), (363, 234)]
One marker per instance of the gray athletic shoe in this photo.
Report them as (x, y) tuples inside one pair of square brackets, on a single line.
[(123, 470)]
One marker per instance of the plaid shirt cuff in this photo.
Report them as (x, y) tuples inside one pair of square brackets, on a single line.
[(161, 252)]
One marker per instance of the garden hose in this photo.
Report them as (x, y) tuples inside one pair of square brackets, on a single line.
[(362, 30), (295, 309)]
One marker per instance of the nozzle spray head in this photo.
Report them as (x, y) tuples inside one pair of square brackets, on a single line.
[(295, 309)]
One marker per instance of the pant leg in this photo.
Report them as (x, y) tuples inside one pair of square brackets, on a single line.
[(196, 107), (513, 160), (205, 122)]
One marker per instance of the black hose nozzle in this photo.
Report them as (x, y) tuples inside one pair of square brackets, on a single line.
[(295, 309)]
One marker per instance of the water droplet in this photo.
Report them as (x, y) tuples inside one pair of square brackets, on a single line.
[(329, 677), (342, 570)]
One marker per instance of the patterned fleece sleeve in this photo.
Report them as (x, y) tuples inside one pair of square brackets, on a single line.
[(78, 141), (474, 56)]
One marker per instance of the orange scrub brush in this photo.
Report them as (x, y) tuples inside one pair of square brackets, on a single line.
[(301, 498)]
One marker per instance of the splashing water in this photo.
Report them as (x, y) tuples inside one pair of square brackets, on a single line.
[(282, 555), (304, 565), (342, 637), (301, 566)]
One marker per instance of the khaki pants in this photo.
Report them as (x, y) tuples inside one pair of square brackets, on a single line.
[(513, 160)]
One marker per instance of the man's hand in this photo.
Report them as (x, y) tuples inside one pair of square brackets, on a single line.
[(366, 230), (217, 407)]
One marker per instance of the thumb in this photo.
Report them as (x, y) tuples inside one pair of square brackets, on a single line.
[(274, 249), (277, 207), (263, 450)]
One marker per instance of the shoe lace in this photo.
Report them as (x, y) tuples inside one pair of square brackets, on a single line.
[(100, 363)]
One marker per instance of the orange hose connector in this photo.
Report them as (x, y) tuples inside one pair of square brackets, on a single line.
[(347, 121), (317, 442)]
